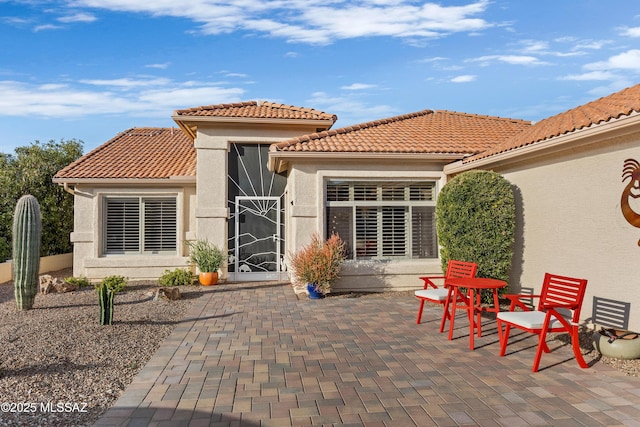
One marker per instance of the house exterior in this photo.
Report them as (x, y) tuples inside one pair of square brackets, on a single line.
[(261, 178), (576, 178)]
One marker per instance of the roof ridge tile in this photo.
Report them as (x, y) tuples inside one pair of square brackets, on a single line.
[(292, 107), (216, 107), (484, 116), (255, 110)]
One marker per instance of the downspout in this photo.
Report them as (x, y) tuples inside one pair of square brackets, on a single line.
[(66, 188)]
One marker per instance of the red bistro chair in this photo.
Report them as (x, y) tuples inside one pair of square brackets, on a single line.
[(558, 310), (431, 292)]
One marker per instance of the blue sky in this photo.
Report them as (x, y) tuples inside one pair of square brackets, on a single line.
[(89, 69)]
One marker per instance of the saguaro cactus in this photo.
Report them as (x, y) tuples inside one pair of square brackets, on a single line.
[(27, 229), (105, 296)]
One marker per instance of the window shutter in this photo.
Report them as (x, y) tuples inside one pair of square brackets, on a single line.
[(365, 191), (394, 231), (160, 224), (366, 232), (337, 192), (422, 191), (423, 227), (339, 221), (122, 225), (393, 191)]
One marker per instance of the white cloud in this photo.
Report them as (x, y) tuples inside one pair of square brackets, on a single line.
[(463, 79), (128, 82), (535, 46), (630, 32), (593, 75), (509, 59), (349, 109), (629, 60), (242, 75), (591, 44), (163, 66), (15, 20), (184, 97), (78, 17), (612, 87), (315, 21), (615, 70), (568, 47), (358, 86), (435, 59), (153, 98), (46, 27)]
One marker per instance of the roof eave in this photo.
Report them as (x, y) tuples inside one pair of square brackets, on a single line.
[(279, 161), (121, 181), (190, 131), (585, 136), (190, 123)]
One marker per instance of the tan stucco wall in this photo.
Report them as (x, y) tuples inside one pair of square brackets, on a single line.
[(47, 264), (88, 259), (305, 213), (570, 221)]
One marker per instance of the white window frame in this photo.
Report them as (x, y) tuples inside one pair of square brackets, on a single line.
[(139, 231), (378, 205)]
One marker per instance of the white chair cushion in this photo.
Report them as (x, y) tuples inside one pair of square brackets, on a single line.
[(439, 294), (529, 319)]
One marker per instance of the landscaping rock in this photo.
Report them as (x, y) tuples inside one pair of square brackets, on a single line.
[(49, 284), (171, 294)]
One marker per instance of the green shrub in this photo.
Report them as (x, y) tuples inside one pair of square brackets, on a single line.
[(177, 277), (115, 283), (475, 221), (80, 282)]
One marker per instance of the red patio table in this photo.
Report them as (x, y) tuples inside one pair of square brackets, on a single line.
[(470, 302)]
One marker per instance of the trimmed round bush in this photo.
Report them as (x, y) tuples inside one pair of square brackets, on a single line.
[(177, 277), (475, 221)]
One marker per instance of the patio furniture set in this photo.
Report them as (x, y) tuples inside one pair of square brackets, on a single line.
[(558, 308)]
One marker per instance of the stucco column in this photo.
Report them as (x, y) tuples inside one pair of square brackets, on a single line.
[(212, 211)]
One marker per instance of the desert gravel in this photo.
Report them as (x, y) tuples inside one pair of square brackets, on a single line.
[(60, 367)]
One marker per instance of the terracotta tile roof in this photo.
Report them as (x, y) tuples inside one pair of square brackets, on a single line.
[(256, 110), (427, 131), (135, 154), (601, 110)]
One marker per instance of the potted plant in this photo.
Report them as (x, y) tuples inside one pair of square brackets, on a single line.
[(318, 264), (208, 258)]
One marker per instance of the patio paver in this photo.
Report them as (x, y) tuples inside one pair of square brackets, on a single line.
[(255, 354)]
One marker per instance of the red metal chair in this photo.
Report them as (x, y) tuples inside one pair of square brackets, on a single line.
[(431, 292), (558, 310)]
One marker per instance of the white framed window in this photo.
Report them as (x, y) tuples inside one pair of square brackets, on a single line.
[(140, 225), (383, 219)]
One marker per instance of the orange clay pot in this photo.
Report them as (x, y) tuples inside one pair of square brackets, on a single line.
[(208, 279)]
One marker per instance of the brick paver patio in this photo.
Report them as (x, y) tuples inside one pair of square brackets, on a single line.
[(256, 354)]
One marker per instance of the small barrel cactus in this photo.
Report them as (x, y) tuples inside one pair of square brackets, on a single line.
[(105, 297), (27, 229)]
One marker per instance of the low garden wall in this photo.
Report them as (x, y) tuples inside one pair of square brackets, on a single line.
[(47, 264)]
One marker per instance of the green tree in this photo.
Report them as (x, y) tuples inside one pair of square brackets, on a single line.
[(475, 221), (30, 171)]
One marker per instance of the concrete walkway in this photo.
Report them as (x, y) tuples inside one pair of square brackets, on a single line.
[(258, 355)]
